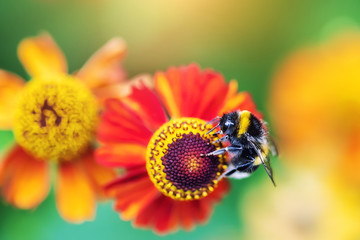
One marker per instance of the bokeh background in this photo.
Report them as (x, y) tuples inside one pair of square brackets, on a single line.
[(269, 47)]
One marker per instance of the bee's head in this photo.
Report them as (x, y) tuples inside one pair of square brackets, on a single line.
[(228, 123)]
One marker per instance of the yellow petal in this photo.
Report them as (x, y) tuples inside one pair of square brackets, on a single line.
[(75, 195), (10, 88), (41, 56)]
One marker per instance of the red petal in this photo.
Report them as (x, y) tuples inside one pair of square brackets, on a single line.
[(133, 192), (145, 102), (196, 93), (121, 155), (121, 124), (238, 101), (164, 214), (123, 184)]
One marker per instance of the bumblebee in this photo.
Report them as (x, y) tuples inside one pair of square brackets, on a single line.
[(249, 143)]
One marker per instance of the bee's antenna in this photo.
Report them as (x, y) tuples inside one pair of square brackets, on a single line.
[(213, 128), (213, 120)]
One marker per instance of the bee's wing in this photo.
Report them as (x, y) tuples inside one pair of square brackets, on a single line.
[(272, 146), (265, 162), (269, 139)]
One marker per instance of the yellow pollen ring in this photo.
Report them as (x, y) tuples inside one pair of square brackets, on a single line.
[(158, 147), (55, 118)]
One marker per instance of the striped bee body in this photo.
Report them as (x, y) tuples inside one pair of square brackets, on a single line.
[(249, 141)]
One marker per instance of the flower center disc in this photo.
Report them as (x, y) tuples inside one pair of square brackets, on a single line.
[(55, 118), (176, 159)]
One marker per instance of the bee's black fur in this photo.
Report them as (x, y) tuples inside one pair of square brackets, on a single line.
[(249, 146), (255, 128)]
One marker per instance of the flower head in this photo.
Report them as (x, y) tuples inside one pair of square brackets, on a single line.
[(316, 110), (54, 117), (176, 163), (159, 136), (305, 206), (316, 106)]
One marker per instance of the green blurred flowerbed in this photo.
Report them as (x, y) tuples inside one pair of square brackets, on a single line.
[(300, 62)]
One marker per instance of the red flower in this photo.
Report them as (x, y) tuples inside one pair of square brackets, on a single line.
[(150, 130)]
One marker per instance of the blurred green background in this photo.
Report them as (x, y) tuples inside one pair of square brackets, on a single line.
[(243, 39)]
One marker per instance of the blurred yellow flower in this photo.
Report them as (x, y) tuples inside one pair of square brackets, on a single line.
[(305, 206), (54, 117), (315, 103)]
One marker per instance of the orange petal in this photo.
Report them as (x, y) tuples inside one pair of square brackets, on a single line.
[(104, 67), (10, 89), (75, 196), (99, 175), (121, 155), (25, 180), (41, 56)]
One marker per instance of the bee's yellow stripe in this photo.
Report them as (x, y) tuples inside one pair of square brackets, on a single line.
[(244, 122)]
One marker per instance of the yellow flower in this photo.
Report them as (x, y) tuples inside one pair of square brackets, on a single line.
[(316, 111), (315, 103), (54, 117), (304, 206)]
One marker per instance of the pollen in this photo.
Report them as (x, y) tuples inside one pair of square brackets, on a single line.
[(55, 118), (177, 163)]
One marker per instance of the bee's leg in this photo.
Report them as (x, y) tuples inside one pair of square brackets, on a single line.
[(223, 150), (223, 139), (218, 132), (217, 152), (228, 173), (235, 172)]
